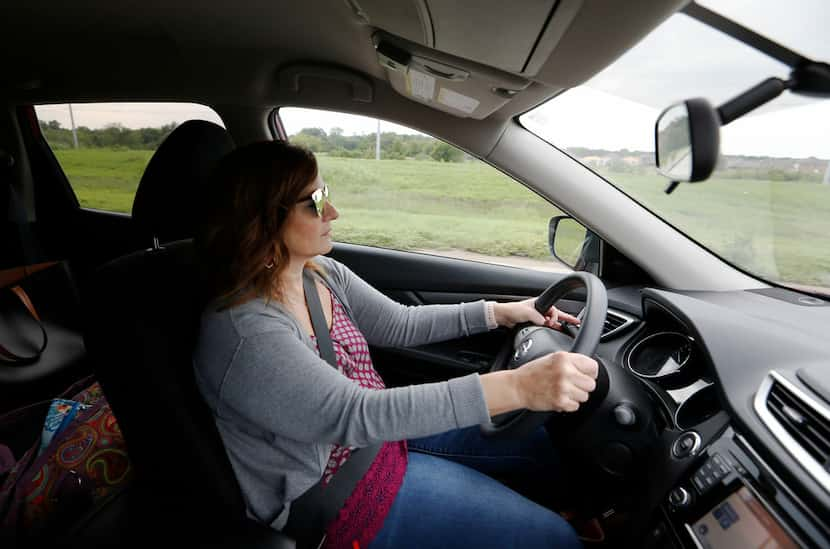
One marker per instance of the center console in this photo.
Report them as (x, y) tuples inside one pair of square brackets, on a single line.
[(731, 499)]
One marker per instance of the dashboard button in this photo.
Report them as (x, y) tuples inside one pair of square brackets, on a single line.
[(680, 497), (685, 445)]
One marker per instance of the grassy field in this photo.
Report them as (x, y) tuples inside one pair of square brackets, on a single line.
[(102, 178), (776, 229)]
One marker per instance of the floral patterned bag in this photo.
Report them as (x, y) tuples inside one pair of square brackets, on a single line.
[(52, 487)]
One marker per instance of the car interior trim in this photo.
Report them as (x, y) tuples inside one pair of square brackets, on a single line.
[(807, 461), (688, 393), (627, 322), (743, 34), (646, 339), (693, 537), (778, 484)]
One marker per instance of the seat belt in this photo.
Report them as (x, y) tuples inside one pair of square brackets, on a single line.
[(318, 320), (313, 511)]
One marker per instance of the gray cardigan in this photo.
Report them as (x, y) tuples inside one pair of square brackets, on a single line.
[(279, 407)]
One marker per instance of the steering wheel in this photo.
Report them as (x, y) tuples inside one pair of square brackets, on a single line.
[(528, 342)]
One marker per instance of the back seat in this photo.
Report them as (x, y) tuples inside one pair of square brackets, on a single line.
[(163, 210)]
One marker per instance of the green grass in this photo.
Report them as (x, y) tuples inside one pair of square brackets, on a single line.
[(778, 230), (410, 204), (775, 229), (102, 178)]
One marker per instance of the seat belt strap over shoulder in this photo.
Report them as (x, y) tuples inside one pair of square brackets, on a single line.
[(318, 320), (312, 512)]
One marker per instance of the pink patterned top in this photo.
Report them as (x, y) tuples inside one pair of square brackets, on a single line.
[(362, 515)]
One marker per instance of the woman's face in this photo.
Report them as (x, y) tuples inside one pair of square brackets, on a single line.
[(306, 233)]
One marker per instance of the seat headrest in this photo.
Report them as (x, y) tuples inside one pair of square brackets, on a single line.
[(165, 204)]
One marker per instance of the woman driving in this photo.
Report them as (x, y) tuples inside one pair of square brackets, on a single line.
[(290, 420)]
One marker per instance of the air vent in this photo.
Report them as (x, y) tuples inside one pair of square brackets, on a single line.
[(615, 323), (799, 422), (612, 322), (809, 429)]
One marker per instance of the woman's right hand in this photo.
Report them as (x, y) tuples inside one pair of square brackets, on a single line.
[(558, 382)]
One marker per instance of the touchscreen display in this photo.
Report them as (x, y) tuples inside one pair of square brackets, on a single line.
[(740, 521)]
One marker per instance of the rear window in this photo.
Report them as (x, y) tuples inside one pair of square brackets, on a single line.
[(103, 148)]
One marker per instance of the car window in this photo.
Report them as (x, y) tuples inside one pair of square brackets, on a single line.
[(103, 148), (410, 191)]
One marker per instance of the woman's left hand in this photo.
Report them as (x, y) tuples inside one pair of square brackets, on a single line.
[(517, 312)]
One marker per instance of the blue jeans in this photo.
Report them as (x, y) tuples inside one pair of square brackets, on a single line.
[(447, 501)]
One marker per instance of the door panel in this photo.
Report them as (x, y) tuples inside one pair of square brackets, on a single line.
[(389, 270), (420, 279)]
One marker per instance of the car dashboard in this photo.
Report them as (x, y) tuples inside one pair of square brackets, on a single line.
[(738, 383)]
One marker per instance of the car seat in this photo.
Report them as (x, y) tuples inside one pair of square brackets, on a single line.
[(167, 199), (141, 325)]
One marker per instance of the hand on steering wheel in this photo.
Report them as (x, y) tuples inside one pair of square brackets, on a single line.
[(557, 382), (519, 312), (527, 344)]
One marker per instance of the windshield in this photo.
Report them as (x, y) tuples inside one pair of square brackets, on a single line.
[(800, 25), (766, 209)]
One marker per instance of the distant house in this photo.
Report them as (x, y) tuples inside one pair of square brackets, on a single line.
[(594, 161)]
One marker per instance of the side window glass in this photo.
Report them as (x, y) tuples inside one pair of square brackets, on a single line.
[(398, 188), (103, 148)]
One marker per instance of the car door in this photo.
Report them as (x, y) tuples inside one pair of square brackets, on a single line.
[(421, 279)]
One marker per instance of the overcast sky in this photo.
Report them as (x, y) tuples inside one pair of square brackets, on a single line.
[(684, 59), (139, 115), (617, 108)]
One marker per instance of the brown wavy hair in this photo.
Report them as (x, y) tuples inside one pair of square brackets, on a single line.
[(247, 201)]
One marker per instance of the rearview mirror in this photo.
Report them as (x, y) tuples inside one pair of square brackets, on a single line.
[(573, 244), (687, 141)]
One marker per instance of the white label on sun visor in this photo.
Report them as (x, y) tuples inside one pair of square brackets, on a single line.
[(421, 85), (457, 101)]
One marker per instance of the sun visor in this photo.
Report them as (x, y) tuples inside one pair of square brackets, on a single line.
[(516, 36), (444, 82), (467, 57)]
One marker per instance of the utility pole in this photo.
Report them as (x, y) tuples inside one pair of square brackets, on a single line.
[(827, 174), (377, 142), (72, 123)]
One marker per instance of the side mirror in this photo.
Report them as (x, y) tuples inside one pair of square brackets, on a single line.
[(573, 244), (687, 141)]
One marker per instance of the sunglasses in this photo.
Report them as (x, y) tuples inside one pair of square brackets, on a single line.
[(318, 199)]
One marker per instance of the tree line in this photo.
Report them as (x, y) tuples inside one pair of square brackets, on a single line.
[(112, 136), (393, 146), (762, 168)]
